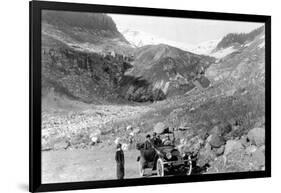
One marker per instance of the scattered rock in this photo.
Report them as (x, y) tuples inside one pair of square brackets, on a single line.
[(205, 156), (192, 109), (136, 131), (225, 128), (260, 122), (61, 145), (159, 127), (129, 127), (216, 141), (215, 121), (217, 166), (257, 136), (215, 130), (262, 148), (231, 146), (259, 157), (251, 149), (193, 145), (125, 146), (209, 138), (45, 145), (95, 140), (97, 132), (245, 141), (208, 147), (117, 140), (219, 151)]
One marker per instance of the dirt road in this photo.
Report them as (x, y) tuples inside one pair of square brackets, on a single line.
[(85, 165)]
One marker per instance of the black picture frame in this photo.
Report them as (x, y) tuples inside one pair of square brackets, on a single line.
[(35, 184)]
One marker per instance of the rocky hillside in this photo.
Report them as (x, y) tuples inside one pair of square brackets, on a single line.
[(82, 31), (84, 76), (86, 58), (232, 42), (169, 70), (245, 65), (239, 38), (225, 123)]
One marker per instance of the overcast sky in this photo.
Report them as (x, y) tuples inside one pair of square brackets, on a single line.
[(190, 31)]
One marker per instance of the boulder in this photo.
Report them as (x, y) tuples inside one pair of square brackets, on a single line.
[(259, 158), (193, 145), (225, 128), (117, 140), (231, 146), (221, 129), (209, 138), (136, 131), (216, 141), (215, 130), (125, 146), (257, 136), (46, 146), (159, 127), (262, 148), (129, 127), (238, 159), (96, 132), (251, 149), (219, 151), (260, 122), (61, 145), (217, 166), (245, 141), (205, 156), (95, 140)]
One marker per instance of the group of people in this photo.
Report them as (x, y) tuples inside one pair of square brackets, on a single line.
[(155, 141), (150, 142)]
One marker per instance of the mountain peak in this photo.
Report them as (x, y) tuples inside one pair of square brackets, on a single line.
[(78, 20)]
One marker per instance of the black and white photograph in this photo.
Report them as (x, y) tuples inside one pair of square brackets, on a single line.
[(137, 96)]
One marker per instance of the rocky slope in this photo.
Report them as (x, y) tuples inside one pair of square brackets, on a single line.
[(82, 31), (85, 57), (225, 123), (233, 42), (84, 76), (169, 70)]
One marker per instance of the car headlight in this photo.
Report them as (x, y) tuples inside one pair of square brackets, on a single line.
[(168, 155)]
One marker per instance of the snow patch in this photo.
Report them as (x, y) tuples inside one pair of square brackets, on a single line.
[(140, 38), (261, 45), (262, 37), (248, 44), (206, 48), (223, 52)]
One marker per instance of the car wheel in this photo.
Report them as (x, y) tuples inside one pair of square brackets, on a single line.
[(189, 165), (160, 167), (141, 169)]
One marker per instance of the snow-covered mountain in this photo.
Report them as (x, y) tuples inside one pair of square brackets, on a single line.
[(140, 38), (205, 48)]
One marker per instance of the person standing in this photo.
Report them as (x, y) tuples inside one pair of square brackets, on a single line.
[(147, 143), (156, 141), (119, 158)]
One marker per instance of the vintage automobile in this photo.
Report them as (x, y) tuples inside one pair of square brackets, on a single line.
[(164, 158)]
